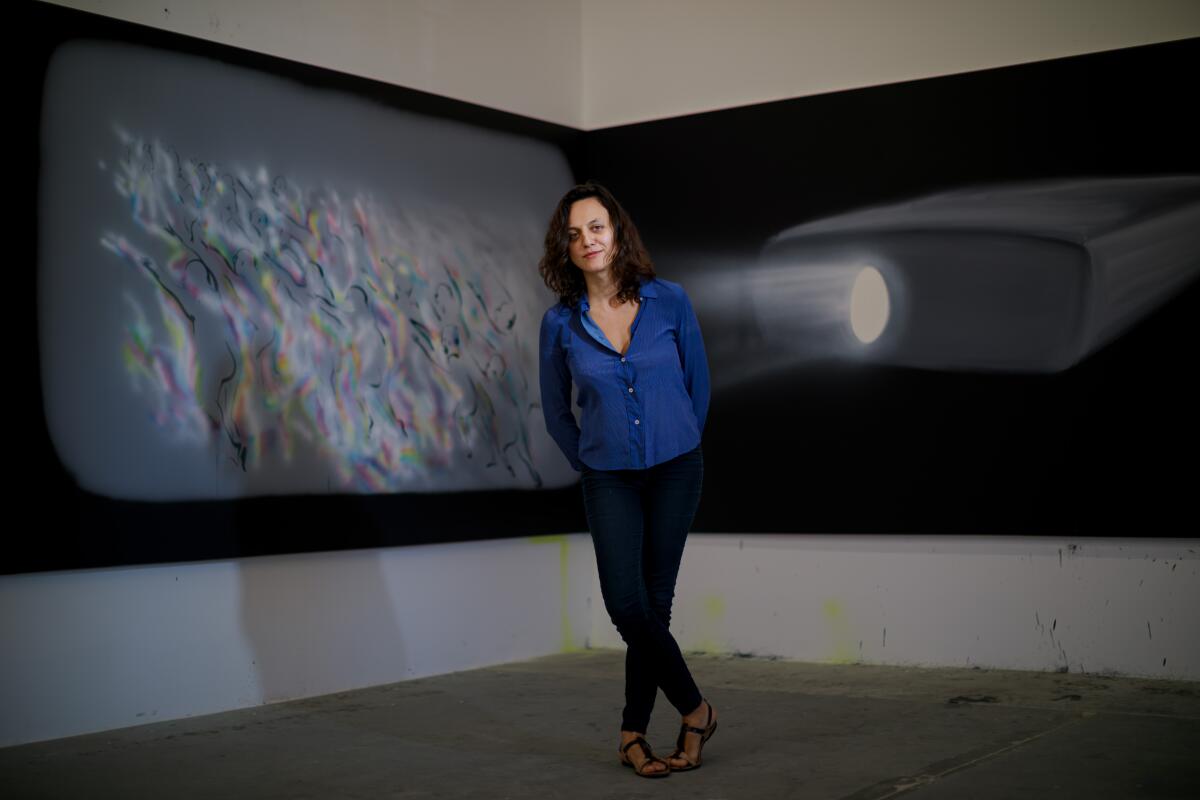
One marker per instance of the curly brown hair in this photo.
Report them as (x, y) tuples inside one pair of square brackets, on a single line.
[(630, 261)]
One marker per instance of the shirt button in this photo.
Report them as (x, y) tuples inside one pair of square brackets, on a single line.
[(622, 359), (637, 422), (631, 390)]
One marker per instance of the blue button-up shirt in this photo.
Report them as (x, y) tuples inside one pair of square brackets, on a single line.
[(639, 408)]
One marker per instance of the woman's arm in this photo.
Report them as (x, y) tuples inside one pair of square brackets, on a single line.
[(555, 379), (693, 360)]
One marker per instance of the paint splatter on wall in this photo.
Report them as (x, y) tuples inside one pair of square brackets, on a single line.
[(382, 338)]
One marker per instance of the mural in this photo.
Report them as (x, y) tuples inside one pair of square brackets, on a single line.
[(283, 329), (280, 309), (959, 305), (1026, 278), (336, 332)]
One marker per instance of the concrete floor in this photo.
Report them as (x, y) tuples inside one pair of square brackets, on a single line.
[(548, 728)]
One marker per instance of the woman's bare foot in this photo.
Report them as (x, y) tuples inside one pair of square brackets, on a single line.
[(692, 743), (637, 755)]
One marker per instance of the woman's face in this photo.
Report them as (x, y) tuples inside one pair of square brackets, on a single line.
[(589, 235)]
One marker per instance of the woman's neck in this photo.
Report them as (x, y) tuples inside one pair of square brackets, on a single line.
[(601, 288)]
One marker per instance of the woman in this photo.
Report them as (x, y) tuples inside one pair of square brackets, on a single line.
[(631, 344)]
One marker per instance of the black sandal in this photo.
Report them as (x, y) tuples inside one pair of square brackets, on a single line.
[(705, 734), (622, 751)]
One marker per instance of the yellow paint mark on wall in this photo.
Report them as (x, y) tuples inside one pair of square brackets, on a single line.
[(712, 638), (833, 610), (842, 651), (714, 608), (568, 640), (707, 646)]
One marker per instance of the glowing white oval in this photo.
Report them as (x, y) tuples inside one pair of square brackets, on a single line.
[(869, 305)]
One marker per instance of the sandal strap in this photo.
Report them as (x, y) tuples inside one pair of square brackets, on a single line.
[(650, 757), (680, 753), (638, 740), (685, 729)]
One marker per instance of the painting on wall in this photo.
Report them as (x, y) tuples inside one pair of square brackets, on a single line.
[(278, 309), (958, 305), (274, 302)]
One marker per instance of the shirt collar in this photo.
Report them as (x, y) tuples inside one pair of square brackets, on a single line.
[(646, 289)]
